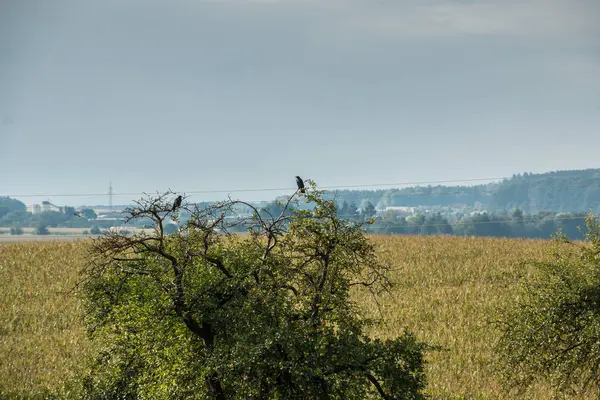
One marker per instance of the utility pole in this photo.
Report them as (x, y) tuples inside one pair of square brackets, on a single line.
[(110, 196)]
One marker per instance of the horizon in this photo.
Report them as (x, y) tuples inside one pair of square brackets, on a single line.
[(268, 195)]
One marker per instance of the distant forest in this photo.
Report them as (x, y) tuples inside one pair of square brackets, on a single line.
[(527, 205), (560, 191)]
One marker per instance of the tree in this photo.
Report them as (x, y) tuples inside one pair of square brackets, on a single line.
[(344, 210), (89, 213), (517, 215), (69, 212), (16, 230), (19, 218), (273, 209), (50, 218), (551, 333), (203, 313), (352, 212), (8, 205), (42, 228), (369, 210)]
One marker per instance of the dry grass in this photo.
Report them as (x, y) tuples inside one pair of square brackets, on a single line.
[(65, 231), (5, 239), (42, 339), (446, 290)]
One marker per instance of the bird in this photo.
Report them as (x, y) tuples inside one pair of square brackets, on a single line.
[(79, 214), (177, 203), (300, 184)]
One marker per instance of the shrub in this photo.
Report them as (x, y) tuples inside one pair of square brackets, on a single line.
[(16, 230), (552, 331), (42, 229)]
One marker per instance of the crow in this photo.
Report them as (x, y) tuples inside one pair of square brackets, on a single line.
[(177, 203), (300, 184)]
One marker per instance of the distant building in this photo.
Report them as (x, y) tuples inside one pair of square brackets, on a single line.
[(43, 207), (34, 208), (47, 206), (400, 209)]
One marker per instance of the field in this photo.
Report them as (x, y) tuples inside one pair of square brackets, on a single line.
[(446, 290), (58, 231), (56, 234)]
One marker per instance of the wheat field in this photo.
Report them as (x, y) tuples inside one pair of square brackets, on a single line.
[(446, 291)]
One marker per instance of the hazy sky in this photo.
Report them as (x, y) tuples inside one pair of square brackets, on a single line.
[(211, 95)]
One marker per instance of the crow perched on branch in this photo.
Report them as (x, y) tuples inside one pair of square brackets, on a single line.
[(300, 184), (177, 203)]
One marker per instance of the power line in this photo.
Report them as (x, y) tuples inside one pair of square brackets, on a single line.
[(401, 196), (258, 189), (348, 187)]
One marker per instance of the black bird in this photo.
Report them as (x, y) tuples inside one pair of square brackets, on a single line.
[(177, 203), (300, 184)]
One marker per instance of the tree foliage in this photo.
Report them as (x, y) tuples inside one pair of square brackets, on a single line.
[(42, 228), (203, 313), (8, 205), (16, 230), (552, 331)]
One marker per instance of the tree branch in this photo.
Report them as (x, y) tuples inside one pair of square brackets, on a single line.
[(375, 383)]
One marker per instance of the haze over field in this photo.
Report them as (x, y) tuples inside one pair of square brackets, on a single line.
[(217, 95)]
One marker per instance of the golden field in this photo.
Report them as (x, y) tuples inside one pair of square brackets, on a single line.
[(446, 291)]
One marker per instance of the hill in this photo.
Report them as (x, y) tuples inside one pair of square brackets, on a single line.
[(558, 191)]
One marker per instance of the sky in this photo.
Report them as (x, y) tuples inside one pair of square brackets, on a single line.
[(224, 95)]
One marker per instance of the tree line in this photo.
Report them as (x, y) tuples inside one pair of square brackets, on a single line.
[(559, 191)]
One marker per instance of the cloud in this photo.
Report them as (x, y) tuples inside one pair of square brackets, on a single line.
[(435, 19)]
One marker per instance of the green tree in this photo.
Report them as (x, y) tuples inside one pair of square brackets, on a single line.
[(50, 218), (89, 213), (19, 218), (436, 224), (273, 210), (41, 228), (352, 213), (344, 210), (16, 230), (369, 210), (517, 215), (8, 205), (202, 313), (552, 331), (69, 212)]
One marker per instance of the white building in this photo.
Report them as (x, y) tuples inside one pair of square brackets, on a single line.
[(400, 209), (34, 208), (43, 207)]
